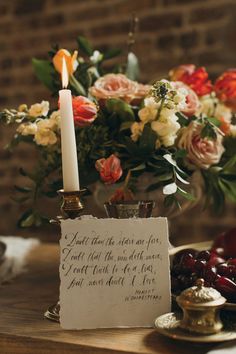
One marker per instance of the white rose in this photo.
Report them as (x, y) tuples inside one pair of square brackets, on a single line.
[(39, 109), (166, 127), (149, 112), (27, 129)]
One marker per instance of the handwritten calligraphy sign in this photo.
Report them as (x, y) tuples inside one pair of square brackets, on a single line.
[(114, 273)]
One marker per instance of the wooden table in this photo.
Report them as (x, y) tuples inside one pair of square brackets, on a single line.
[(23, 329)]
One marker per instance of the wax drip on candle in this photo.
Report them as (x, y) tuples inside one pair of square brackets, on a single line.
[(65, 78)]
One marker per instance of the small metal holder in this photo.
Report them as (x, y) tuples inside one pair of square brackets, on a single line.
[(71, 208), (201, 308)]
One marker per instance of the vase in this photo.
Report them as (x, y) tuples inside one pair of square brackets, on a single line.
[(102, 193)]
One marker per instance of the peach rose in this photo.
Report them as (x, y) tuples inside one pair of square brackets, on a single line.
[(71, 60), (192, 102), (177, 73), (225, 88), (85, 111), (117, 86), (201, 152), (110, 169)]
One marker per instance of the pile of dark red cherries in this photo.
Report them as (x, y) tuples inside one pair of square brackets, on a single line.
[(216, 266)]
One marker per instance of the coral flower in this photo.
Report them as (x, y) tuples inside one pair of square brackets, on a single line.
[(85, 111), (110, 169), (196, 78), (225, 88), (71, 60)]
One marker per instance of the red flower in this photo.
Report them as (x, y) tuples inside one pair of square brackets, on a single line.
[(110, 169), (122, 194), (225, 88), (85, 111), (196, 78)]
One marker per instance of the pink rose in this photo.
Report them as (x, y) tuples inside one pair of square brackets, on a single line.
[(117, 86), (201, 152), (110, 169), (192, 102), (85, 111)]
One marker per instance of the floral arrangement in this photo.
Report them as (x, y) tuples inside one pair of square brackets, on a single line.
[(124, 129)]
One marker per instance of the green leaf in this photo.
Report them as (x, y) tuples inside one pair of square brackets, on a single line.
[(165, 177), (185, 194), (154, 187), (131, 147), (111, 53), (85, 45), (214, 121), (208, 131), (27, 219), (182, 119), (44, 72), (181, 179), (125, 125), (147, 141), (23, 189), (77, 86), (132, 68), (180, 154), (121, 108), (139, 167)]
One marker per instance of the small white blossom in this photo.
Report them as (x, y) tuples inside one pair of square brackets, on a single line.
[(39, 109), (136, 130), (27, 129), (96, 57)]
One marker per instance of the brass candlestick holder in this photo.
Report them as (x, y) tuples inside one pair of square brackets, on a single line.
[(71, 208)]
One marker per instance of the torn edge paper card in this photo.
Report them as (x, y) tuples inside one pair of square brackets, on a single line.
[(114, 272)]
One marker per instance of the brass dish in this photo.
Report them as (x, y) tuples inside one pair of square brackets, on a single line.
[(199, 246), (169, 325)]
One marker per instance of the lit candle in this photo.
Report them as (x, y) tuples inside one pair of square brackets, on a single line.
[(68, 142)]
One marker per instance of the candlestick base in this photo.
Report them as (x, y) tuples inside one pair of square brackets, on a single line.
[(71, 208)]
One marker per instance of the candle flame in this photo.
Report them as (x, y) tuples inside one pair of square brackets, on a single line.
[(65, 77)]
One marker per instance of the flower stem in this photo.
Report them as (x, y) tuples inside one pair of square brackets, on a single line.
[(160, 108)]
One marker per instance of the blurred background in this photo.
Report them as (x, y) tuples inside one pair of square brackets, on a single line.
[(171, 32)]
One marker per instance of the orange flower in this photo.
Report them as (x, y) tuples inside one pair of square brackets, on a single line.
[(224, 126), (196, 78), (225, 87), (110, 169), (85, 111), (71, 61)]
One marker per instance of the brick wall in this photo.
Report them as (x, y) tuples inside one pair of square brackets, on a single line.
[(171, 32)]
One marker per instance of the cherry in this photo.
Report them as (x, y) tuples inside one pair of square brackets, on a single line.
[(200, 266), (204, 255), (187, 263), (180, 254), (219, 251), (215, 259), (175, 284), (226, 287), (232, 261), (223, 269), (209, 273)]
